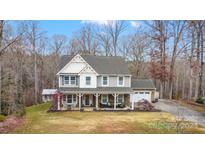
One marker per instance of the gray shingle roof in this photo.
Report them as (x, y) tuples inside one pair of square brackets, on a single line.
[(142, 84), (102, 64), (98, 89), (64, 60)]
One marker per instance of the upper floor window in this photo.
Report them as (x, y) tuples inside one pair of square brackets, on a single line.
[(120, 81), (105, 81), (69, 80), (87, 80), (73, 80), (66, 79)]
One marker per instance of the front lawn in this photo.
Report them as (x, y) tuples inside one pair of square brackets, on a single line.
[(39, 121)]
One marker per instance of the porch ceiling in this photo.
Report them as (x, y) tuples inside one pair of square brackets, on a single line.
[(104, 90)]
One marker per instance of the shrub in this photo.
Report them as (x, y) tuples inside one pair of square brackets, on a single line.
[(199, 100), (2, 118)]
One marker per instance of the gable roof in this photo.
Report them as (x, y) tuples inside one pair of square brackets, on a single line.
[(64, 60), (142, 84), (101, 64)]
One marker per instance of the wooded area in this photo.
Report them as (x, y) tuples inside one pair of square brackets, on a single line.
[(169, 52)]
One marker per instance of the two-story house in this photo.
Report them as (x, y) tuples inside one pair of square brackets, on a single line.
[(100, 82)]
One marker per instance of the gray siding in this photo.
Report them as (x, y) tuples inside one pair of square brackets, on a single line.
[(113, 81)]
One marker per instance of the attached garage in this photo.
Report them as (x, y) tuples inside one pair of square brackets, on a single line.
[(143, 89)]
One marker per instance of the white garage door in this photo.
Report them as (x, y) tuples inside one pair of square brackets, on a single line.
[(139, 95)]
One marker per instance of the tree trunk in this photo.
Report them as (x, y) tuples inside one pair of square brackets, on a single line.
[(177, 86), (170, 89), (161, 90), (201, 66), (191, 83), (198, 59), (0, 84), (36, 81)]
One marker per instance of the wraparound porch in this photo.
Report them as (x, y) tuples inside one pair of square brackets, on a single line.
[(98, 101)]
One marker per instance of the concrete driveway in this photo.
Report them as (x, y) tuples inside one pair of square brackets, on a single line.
[(181, 111)]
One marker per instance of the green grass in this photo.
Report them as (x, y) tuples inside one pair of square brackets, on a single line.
[(39, 121), (2, 118)]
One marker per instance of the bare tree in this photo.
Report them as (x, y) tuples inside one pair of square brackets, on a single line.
[(199, 26), (4, 44), (177, 28), (105, 41), (58, 46), (86, 40), (35, 45), (115, 29), (159, 36)]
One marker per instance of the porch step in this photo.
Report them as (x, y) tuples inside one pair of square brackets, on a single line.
[(89, 109)]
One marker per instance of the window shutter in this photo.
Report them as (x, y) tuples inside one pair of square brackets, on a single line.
[(62, 79)]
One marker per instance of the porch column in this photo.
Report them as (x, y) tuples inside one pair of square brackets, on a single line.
[(132, 105), (80, 100), (58, 102), (115, 95), (96, 101)]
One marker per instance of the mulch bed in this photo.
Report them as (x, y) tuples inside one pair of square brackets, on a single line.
[(135, 110), (10, 124)]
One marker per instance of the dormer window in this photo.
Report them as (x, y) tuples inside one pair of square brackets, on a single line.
[(120, 81), (105, 81)]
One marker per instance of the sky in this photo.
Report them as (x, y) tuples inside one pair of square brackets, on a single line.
[(68, 27)]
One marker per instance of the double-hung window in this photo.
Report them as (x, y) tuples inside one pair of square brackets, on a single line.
[(73, 80), (104, 99), (87, 80), (70, 99), (120, 81), (120, 99), (105, 81), (66, 80), (70, 80)]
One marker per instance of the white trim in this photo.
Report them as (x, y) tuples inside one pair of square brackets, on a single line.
[(118, 81), (102, 98), (116, 75), (87, 64), (102, 81), (69, 63)]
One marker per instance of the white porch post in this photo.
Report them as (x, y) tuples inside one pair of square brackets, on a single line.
[(58, 102), (66, 99), (96, 104), (115, 100), (132, 105), (80, 100)]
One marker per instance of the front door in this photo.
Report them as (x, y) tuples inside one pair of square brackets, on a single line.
[(87, 100)]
